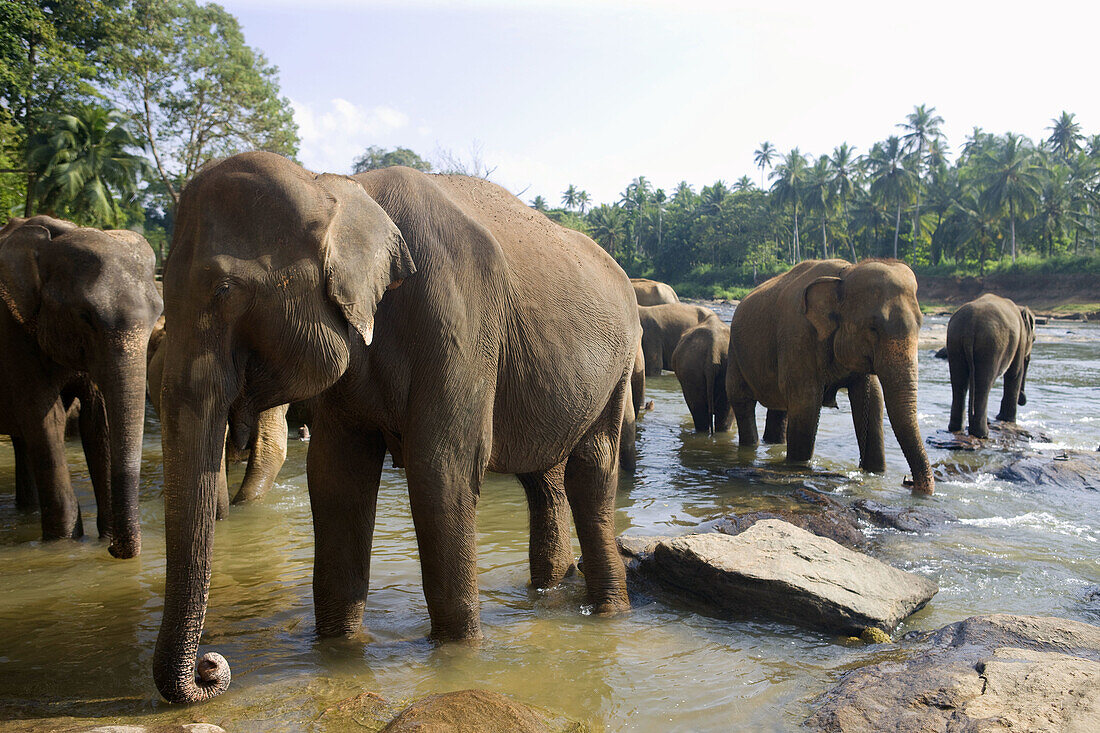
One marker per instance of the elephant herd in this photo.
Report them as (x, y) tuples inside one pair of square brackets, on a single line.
[(438, 319)]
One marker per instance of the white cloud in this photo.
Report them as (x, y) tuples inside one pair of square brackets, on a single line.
[(333, 135)]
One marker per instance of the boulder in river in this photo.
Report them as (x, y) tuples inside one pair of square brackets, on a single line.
[(986, 673), (810, 510), (474, 711), (906, 519), (1072, 470), (777, 569)]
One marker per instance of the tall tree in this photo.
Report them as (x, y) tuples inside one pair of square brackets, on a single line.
[(845, 169), (197, 90), (763, 157), (375, 157), (790, 178), (569, 197), (81, 161), (890, 179), (1065, 135), (1012, 180), (922, 126), (609, 226), (819, 196), (583, 201), (539, 204)]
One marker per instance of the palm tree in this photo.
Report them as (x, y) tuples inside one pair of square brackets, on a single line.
[(634, 200), (683, 194), (890, 179), (609, 226), (569, 198), (744, 183), (1065, 135), (82, 163), (763, 158), (539, 204), (845, 167), (1054, 210), (923, 126), (583, 200), (1012, 180), (789, 187), (713, 196), (819, 196)]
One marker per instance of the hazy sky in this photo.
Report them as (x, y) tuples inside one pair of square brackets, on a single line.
[(595, 93)]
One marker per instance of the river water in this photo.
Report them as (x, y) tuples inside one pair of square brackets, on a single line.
[(77, 628)]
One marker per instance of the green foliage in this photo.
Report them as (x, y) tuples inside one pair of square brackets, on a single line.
[(376, 157)]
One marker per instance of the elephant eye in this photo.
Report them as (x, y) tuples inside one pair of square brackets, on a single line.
[(222, 289)]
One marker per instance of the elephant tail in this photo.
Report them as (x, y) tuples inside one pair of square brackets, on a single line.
[(712, 375), (970, 386)]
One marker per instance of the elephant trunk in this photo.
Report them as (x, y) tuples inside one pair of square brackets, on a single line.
[(124, 400), (193, 442), (896, 367)]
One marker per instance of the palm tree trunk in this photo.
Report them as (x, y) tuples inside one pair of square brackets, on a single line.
[(1012, 227), (897, 228)]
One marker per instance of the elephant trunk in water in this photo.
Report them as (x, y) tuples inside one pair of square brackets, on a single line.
[(193, 442), (896, 367), (124, 399)]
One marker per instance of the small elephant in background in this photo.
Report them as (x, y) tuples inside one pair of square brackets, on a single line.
[(78, 307), (700, 361), (662, 328), (986, 338), (651, 292), (265, 452)]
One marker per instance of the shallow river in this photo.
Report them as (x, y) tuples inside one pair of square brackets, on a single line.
[(77, 628)]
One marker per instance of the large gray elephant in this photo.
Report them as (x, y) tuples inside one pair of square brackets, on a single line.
[(700, 364), (652, 292), (507, 347), (824, 325), (78, 308), (986, 338), (266, 448), (662, 328)]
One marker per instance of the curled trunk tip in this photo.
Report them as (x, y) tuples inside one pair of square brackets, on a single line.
[(210, 679)]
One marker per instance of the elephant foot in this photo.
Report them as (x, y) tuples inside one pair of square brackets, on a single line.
[(611, 607), (550, 577), (125, 549), (954, 427)]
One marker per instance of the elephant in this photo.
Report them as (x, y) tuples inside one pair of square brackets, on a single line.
[(700, 364), (266, 447), (823, 325), (433, 316), (986, 338), (662, 327), (651, 292), (79, 305)]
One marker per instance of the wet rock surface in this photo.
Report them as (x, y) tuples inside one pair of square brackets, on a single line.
[(1002, 672), (813, 512), (475, 711), (779, 570), (1075, 470), (906, 519)]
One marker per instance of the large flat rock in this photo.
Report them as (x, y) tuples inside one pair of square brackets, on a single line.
[(988, 673), (1073, 470), (776, 569)]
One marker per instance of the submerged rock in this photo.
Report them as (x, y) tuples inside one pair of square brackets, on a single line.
[(777, 569), (813, 512), (906, 519), (474, 711), (1077, 470), (1000, 672)]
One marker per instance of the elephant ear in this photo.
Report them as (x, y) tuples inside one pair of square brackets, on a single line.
[(1029, 320), (20, 280), (821, 305), (363, 253)]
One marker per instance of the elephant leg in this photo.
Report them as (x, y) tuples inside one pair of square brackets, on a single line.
[(723, 411), (775, 427), (550, 548), (695, 395), (745, 413), (979, 400), (1013, 383), (26, 493), (590, 482), (46, 450), (343, 470), (960, 382), (443, 493), (802, 429), (96, 440), (267, 455), (865, 394)]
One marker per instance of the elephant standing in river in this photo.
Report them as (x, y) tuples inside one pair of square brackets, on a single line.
[(824, 325), (266, 448), (78, 308), (651, 292), (986, 338), (435, 316), (700, 364), (662, 327)]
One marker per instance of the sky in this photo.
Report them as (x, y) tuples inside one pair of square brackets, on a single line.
[(596, 93)]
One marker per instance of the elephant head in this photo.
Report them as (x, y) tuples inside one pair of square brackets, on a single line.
[(871, 314), (1027, 341), (272, 284), (89, 300)]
